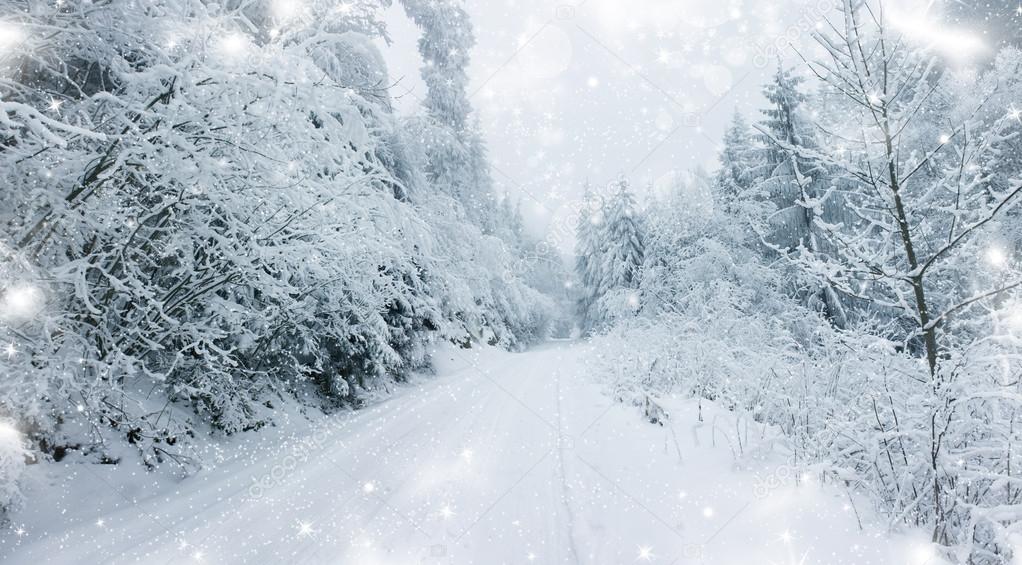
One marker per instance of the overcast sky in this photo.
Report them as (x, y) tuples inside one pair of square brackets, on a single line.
[(592, 89)]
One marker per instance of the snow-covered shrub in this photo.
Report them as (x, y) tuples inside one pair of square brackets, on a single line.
[(855, 407), (488, 301), (219, 208), (724, 319), (714, 321), (12, 465)]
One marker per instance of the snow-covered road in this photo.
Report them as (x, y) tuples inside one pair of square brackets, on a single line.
[(502, 458)]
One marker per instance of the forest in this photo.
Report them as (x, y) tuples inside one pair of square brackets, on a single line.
[(214, 220), (209, 213), (848, 274)]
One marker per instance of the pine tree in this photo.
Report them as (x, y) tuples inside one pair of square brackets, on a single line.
[(737, 160), (510, 223), (794, 180), (447, 38), (588, 256), (456, 152), (518, 222), (622, 242), (789, 179)]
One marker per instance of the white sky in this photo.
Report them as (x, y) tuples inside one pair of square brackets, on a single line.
[(590, 89)]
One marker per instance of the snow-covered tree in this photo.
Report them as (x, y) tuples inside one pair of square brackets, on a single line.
[(210, 208), (622, 246), (588, 254), (1004, 82), (737, 165), (622, 239), (896, 185), (797, 185), (456, 160), (921, 189), (609, 254)]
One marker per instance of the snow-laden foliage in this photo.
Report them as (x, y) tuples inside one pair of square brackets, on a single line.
[(587, 254), (454, 153), (12, 465), (622, 241), (856, 284), (795, 184), (855, 408), (212, 206), (610, 247), (738, 161)]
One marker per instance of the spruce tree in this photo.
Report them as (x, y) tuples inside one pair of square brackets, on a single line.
[(794, 180), (622, 242), (588, 256), (457, 161), (737, 161)]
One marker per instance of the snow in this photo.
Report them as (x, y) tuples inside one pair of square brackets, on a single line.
[(228, 260), (12, 464), (499, 458)]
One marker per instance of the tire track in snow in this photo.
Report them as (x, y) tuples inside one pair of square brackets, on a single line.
[(562, 476)]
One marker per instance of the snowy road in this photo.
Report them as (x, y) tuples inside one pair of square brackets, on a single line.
[(502, 458)]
